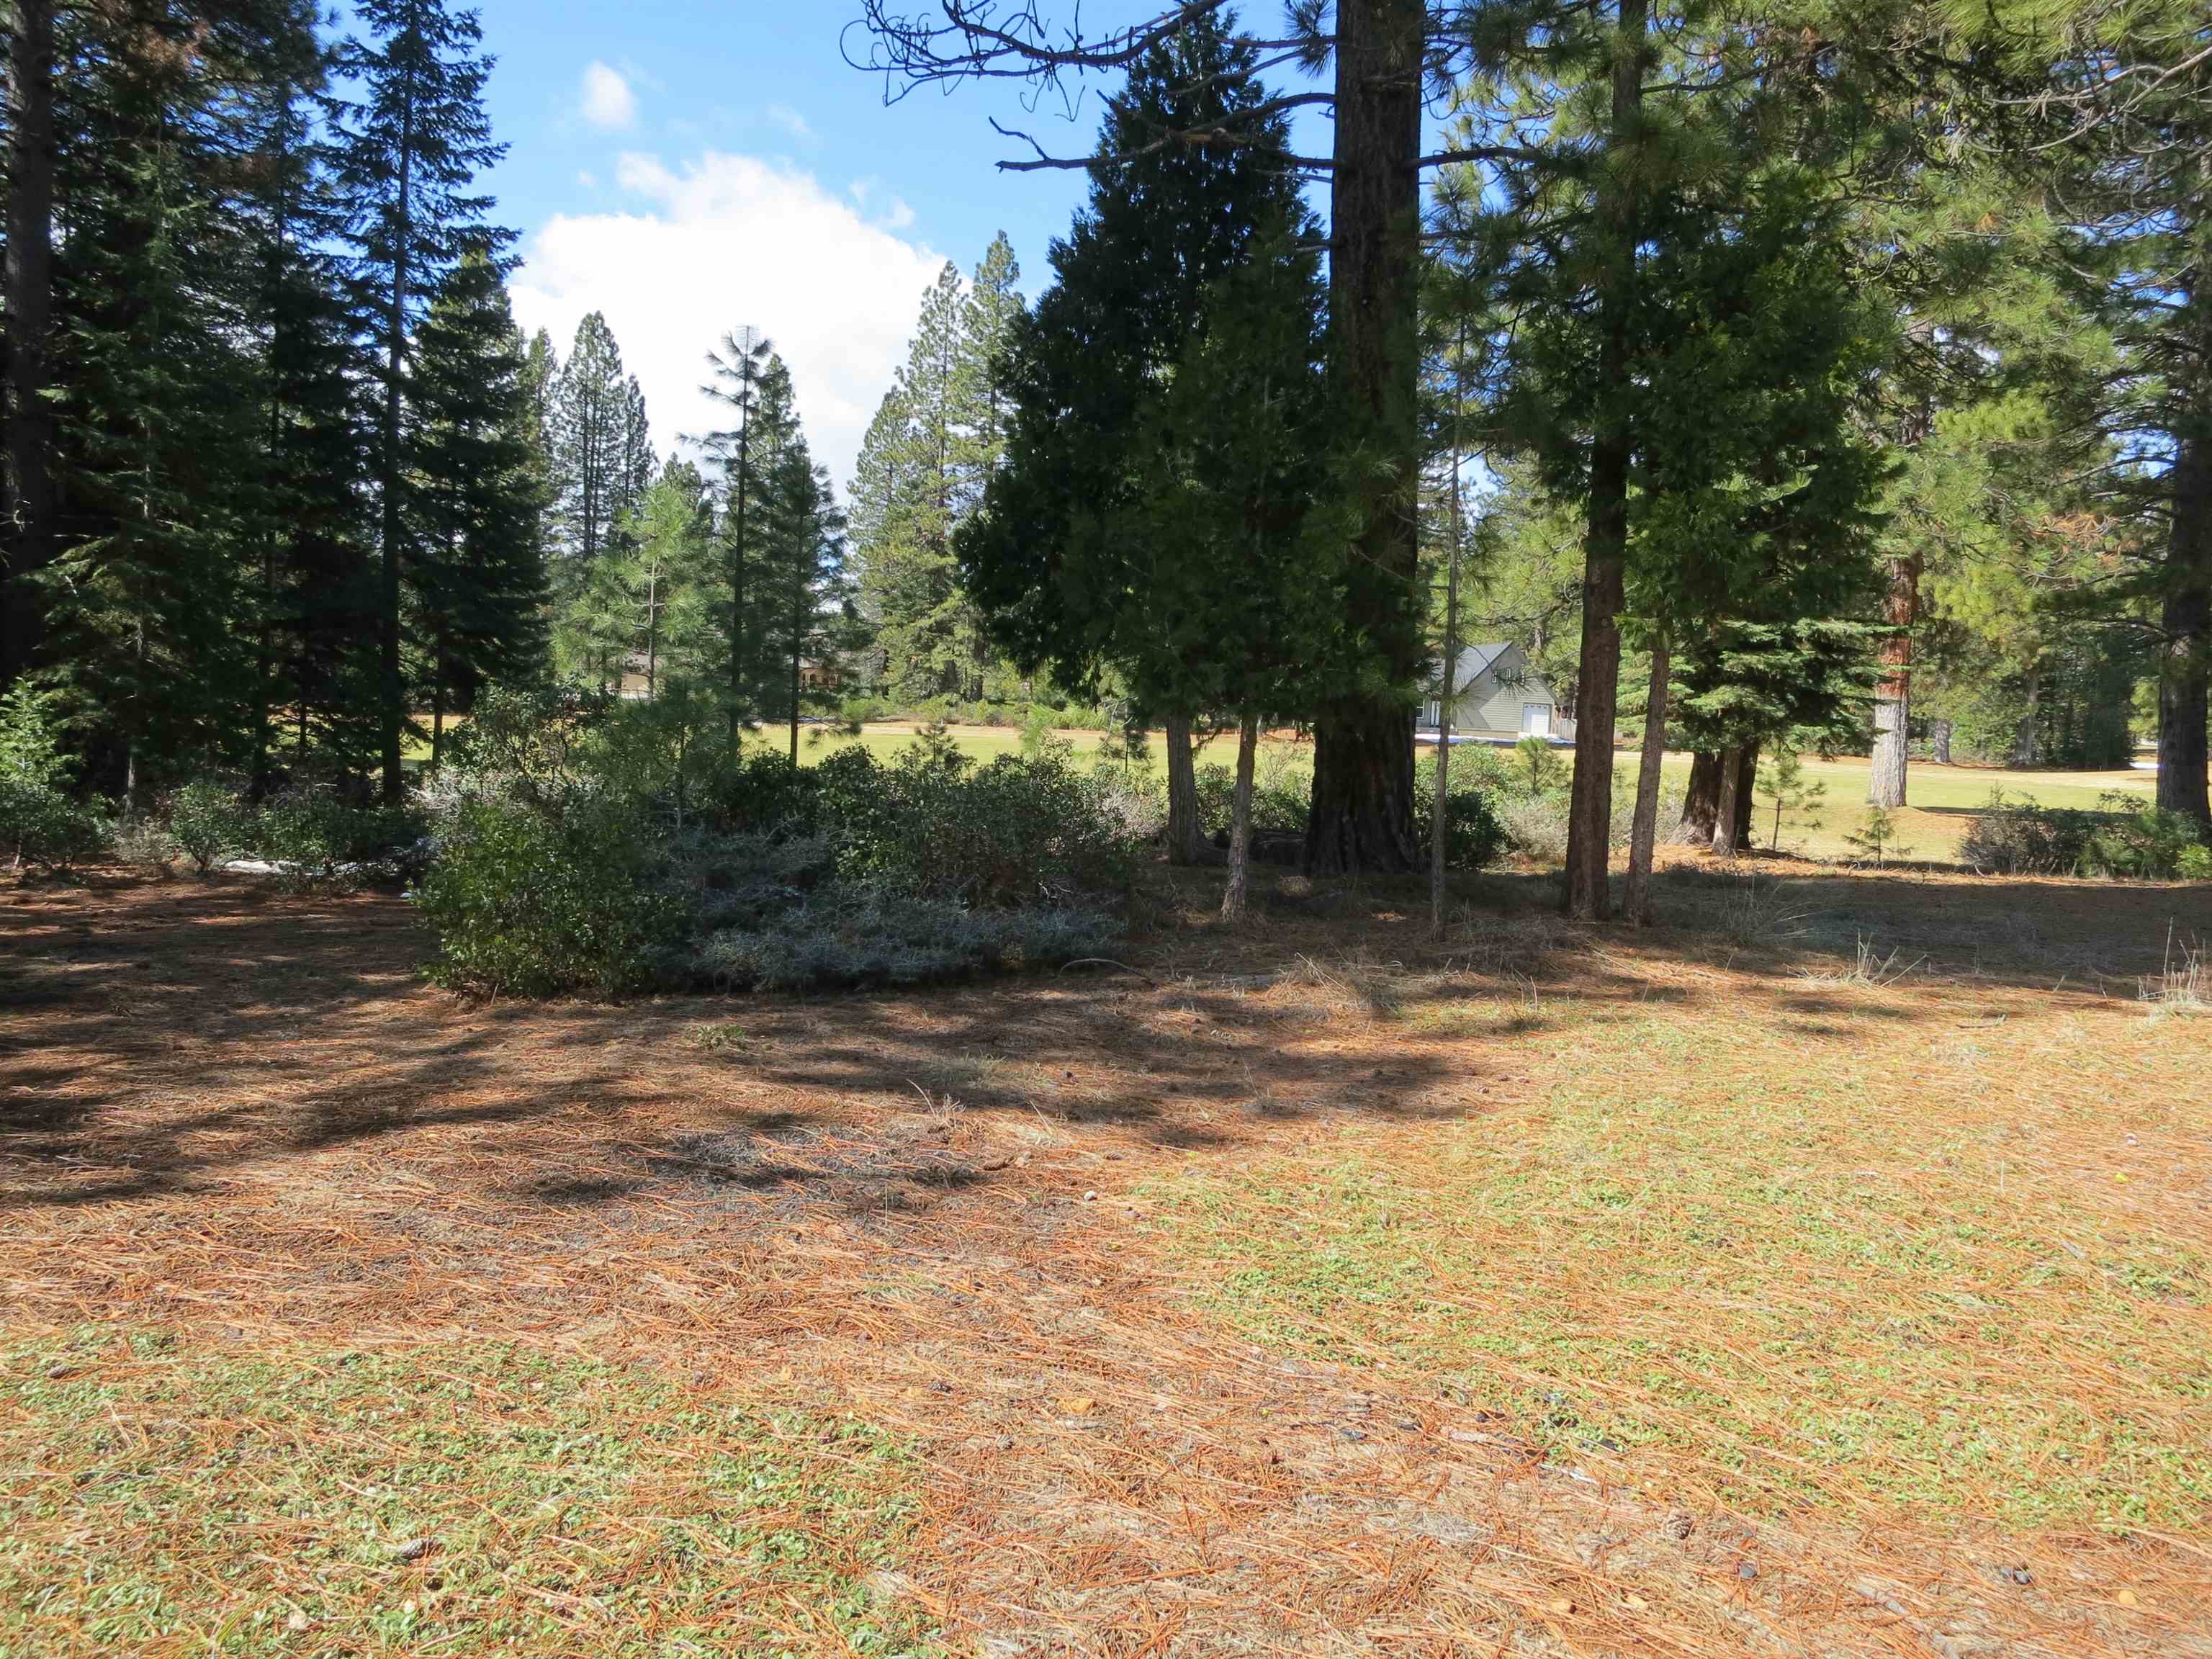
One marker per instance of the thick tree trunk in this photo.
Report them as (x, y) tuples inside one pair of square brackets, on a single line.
[(29, 536), (1362, 817), (1240, 820), (2184, 685), (1892, 696), (1701, 806), (1187, 842), (1597, 691), (1747, 800), (1939, 741), (1725, 813), (1643, 837)]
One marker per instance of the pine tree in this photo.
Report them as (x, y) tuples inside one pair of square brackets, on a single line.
[(926, 624), (156, 441), (1155, 516), (411, 138), (738, 368), (477, 571), (602, 453)]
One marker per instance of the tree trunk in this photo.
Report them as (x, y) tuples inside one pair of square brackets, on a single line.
[(1892, 696), (1240, 820), (1643, 838), (1747, 785), (2025, 734), (2185, 646), (1939, 741), (1440, 823), (1605, 565), (1701, 806), (1187, 842), (29, 296), (392, 691), (1362, 817), (1725, 814)]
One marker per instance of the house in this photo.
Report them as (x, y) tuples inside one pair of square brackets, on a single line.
[(1497, 697)]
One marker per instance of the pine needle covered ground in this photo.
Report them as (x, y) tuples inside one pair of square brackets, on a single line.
[(1824, 1272)]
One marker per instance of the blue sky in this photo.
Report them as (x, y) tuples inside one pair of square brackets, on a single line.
[(689, 166)]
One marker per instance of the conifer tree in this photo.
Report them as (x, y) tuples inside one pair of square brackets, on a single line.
[(411, 138), (602, 453), (738, 368), (477, 567)]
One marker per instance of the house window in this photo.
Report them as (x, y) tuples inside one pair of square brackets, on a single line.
[(1432, 716), (1535, 719)]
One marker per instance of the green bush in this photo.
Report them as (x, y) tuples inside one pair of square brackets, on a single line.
[(40, 824), (2123, 841), (1474, 838), (43, 826), (315, 831), (1016, 833), (208, 823), (526, 903)]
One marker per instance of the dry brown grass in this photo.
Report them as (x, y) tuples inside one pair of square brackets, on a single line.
[(236, 1124)]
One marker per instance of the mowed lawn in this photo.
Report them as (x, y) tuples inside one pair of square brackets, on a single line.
[(1941, 801)]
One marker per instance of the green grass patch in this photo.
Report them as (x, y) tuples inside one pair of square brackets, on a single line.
[(1802, 1280), (457, 1500)]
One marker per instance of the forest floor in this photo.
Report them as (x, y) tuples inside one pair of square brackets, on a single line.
[(1823, 1273)]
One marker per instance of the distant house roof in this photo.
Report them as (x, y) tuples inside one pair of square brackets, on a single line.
[(1474, 662)]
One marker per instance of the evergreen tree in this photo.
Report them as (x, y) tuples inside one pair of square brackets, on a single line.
[(1146, 522), (155, 435), (738, 367), (602, 455), (411, 138), (476, 569)]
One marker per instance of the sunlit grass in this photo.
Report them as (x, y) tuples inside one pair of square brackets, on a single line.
[(447, 1499), (1809, 1277)]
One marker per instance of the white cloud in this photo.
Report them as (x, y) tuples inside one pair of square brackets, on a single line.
[(790, 120), (728, 241), (608, 101)]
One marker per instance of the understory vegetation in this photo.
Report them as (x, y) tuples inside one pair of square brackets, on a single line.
[(2124, 839)]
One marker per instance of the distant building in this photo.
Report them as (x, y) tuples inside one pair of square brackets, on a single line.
[(1497, 697)]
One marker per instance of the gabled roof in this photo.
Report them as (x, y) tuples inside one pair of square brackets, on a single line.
[(1474, 662)]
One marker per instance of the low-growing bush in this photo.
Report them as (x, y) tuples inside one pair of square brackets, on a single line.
[(144, 844), (530, 902), (1014, 833), (1474, 836), (848, 936), (208, 824), (2124, 840), (41, 826), (39, 823), (316, 833)]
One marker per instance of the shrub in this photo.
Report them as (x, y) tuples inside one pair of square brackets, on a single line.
[(1016, 832), (850, 937), (528, 902), (208, 824), (2125, 840), (1474, 834), (2195, 864), (40, 824), (1536, 826), (2135, 842), (316, 832), (144, 844)]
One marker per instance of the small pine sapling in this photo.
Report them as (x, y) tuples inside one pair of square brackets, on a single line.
[(1794, 795), (1875, 839)]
